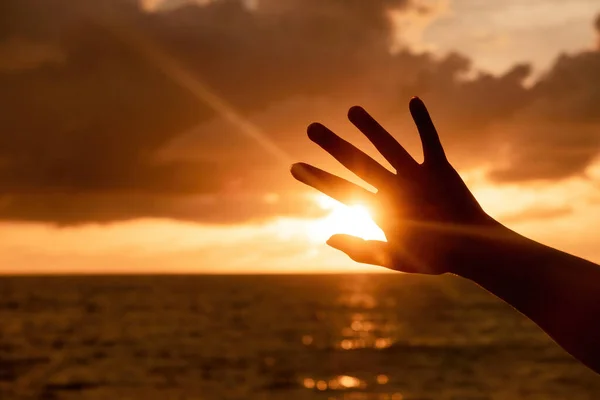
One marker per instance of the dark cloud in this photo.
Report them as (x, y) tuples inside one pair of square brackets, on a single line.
[(105, 112), (77, 208), (557, 133)]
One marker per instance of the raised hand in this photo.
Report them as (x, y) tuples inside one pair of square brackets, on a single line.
[(433, 225), (425, 210)]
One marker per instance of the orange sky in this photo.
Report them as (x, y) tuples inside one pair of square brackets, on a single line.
[(220, 199), (283, 245)]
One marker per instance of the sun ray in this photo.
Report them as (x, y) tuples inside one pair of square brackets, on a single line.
[(189, 80)]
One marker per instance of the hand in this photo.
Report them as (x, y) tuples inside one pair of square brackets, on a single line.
[(429, 216)]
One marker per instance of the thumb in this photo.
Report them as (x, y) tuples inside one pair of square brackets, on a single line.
[(373, 252)]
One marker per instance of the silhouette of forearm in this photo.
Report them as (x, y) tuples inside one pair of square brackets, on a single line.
[(558, 291)]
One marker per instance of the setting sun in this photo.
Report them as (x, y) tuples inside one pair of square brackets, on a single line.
[(352, 220)]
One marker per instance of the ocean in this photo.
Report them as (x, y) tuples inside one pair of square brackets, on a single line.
[(354, 337)]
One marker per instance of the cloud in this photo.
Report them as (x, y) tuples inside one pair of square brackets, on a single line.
[(112, 112), (536, 213), (223, 208)]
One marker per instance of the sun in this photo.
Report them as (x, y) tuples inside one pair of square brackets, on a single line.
[(352, 220)]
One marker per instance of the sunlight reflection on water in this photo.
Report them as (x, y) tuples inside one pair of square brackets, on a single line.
[(341, 382), (342, 337), (363, 329)]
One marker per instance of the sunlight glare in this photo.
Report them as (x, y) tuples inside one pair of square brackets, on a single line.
[(352, 220)]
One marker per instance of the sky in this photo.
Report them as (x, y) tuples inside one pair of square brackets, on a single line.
[(156, 137)]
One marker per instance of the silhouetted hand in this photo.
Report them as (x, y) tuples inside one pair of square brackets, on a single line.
[(425, 210), (433, 225)]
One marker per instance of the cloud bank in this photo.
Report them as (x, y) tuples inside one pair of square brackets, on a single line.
[(105, 114)]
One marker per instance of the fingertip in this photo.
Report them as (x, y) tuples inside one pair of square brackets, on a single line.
[(315, 131), (298, 169), (356, 112), (415, 103), (334, 241), (419, 111), (341, 240)]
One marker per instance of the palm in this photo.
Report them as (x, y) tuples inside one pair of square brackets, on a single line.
[(423, 209)]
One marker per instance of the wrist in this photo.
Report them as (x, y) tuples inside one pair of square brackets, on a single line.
[(479, 248)]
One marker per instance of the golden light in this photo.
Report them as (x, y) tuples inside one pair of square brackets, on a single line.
[(352, 220), (357, 326), (348, 381), (334, 384), (383, 343), (340, 382), (309, 383), (307, 340)]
